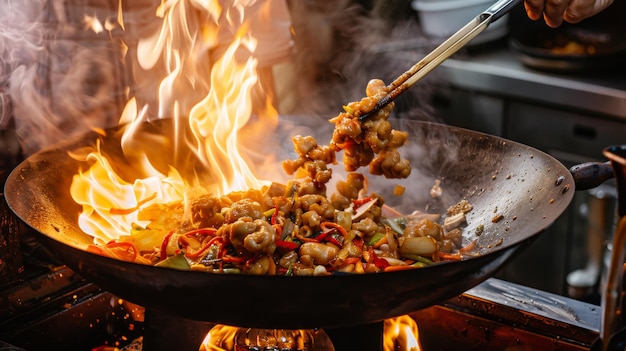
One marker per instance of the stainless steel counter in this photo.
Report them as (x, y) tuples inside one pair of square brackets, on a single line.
[(501, 73)]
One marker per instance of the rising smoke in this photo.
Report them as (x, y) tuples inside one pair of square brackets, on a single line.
[(62, 80), (341, 45), (65, 71)]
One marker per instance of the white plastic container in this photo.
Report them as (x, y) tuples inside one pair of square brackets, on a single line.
[(442, 18)]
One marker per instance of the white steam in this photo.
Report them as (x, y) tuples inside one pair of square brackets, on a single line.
[(66, 71), (60, 78)]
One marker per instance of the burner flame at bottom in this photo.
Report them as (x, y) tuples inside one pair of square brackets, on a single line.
[(400, 333), (227, 338)]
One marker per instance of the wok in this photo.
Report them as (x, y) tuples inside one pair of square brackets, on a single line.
[(497, 176)]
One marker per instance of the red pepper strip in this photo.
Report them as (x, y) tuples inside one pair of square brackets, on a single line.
[(202, 231), (279, 230), (399, 268), (274, 216), (323, 235), (317, 239), (166, 240), (122, 250), (221, 253), (359, 242), (351, 260), (361, 202), (232, 259), (379, 262), (218, 240), (450, 257), (251, 260), (95, 249), (326, 225), (334, 240), (126, 246), (288, 245)]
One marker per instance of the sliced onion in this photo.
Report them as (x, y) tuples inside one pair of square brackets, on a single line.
[(420, 245), (361, 210), (394, 261), (391, 212)]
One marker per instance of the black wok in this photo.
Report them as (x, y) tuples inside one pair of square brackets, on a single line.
[(529, 188)]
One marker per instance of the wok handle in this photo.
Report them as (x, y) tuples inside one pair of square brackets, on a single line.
[(591, 174)]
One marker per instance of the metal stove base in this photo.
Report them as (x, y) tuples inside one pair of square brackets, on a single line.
[(496, 315)]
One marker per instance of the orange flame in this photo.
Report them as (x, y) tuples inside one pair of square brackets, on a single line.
[(220, 337), (227, 338), (204, 54), (100, 191), (401, 333)]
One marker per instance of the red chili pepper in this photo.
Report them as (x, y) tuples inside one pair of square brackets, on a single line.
[(124, 247), (288, 245), (251, 260), (232, 259), (450, 257), (323, 236), (361, 202), (352, 260), (379, 262), (221, 252), (96, 250), (218, 240), (202, 231), (166, 240), (359, 242), (279, 230), (335, 239), (274, 216), (336, 226), (306, 240)]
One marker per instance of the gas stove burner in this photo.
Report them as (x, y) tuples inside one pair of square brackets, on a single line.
[(254, 339), (492, 316)]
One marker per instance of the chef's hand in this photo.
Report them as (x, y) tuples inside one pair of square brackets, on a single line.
[(572, 11)]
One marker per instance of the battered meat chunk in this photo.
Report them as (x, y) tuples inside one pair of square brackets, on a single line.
[(372, 142)]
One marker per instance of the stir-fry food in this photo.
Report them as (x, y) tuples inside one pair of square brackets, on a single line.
[(296, 228)]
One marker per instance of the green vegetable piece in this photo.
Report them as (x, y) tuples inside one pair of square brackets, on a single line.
[(269, 213), (395, 225), (373, 240), (418, 258), (177, 262)]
